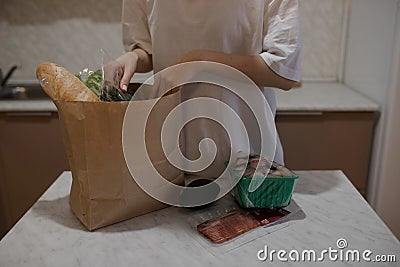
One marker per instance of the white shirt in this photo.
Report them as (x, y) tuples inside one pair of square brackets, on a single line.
[(168, 29)]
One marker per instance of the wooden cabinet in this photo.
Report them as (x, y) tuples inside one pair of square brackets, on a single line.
[(31, 157), (32, 152), (328, 141)]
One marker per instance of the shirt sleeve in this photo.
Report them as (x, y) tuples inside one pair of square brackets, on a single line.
[(135, 26), (282, 40)]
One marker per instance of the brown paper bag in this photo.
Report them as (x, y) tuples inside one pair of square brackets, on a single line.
[(103, 191)]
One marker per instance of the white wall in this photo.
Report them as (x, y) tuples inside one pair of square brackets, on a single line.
[(324, 25), (72, 32), (389, 182), (370, 46), (370, 68), (69, 33)]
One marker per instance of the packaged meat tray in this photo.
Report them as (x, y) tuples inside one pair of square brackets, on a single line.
[(275, 188)]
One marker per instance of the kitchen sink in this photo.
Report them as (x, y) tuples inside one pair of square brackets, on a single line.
[(23, 92)]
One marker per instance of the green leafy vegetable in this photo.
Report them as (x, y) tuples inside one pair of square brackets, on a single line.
[(114, 94), (94, 82)]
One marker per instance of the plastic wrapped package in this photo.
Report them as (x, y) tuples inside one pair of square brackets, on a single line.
[(225, 226), (276, 185), (104, 82)]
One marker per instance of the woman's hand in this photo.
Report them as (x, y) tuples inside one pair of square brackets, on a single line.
[(128, 63), (119, 72)]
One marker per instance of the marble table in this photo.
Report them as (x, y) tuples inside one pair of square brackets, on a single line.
[(331, 209)]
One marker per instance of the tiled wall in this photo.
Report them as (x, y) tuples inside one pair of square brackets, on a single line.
[(72, 32), (324, 24), (67, 32)]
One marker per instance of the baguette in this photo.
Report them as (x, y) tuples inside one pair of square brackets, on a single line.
[(60, 84)]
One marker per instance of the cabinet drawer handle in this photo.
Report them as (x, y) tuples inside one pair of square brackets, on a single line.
[(29, 114), (302, 113)]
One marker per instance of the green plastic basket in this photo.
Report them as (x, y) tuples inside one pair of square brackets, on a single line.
[(273, 192)]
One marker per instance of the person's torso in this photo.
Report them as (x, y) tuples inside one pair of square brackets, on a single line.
[(230, 26), (179, 26)]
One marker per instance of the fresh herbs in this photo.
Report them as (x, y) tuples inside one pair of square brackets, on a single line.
[(94, 81)]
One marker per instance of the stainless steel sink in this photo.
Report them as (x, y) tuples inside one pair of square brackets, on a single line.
[(23, 92)]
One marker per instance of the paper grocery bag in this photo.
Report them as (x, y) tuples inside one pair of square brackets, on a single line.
[(103, 191)]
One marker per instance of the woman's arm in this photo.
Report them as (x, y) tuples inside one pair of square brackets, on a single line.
[(253, 66), (145, 61)]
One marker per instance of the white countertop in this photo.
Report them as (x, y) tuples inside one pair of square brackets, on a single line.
[(334, 97), (310, 97), (50, 235), (27, 106)]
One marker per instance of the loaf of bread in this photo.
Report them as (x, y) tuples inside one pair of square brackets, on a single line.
[(60, 84)]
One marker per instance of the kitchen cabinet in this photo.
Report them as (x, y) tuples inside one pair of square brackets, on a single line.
[(321, 126), (328, 141), (31, 156)]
